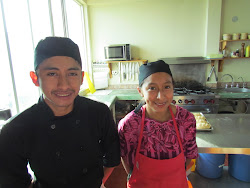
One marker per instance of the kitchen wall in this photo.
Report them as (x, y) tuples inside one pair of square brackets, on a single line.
[(231, 9), (169, 28)]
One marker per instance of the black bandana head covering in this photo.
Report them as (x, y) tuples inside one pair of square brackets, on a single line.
[(56, 46), (147, 69)]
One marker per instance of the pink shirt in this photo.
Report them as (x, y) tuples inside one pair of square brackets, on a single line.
[(159, 139)]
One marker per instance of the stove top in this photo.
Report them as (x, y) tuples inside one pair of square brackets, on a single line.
[(185, 91), (201, 96)]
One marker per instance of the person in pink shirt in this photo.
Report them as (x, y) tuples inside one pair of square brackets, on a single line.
[(157, 139)]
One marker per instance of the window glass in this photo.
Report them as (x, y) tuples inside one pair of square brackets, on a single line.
[(6, 95), (57, 18), (40, 20), (76, 31), (21, 48)]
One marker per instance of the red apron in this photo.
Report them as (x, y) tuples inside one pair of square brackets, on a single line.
[(154, 173)]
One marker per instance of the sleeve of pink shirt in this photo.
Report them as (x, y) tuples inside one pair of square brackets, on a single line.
[(191, 149)]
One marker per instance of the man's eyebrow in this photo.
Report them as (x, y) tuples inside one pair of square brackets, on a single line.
[(50, 68), (55, 68), (74, 68)]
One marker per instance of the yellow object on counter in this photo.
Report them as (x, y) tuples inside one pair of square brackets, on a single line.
[(90, 84), (247, 54), (193, 166)]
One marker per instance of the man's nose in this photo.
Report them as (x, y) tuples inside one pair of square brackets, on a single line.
[(63, 82)]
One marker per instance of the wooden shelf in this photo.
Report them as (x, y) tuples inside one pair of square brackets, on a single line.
[(221, 61), (139, 60), (234, 40), (223, 43)]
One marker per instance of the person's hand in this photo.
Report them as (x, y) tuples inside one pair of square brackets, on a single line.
[(102, 186)]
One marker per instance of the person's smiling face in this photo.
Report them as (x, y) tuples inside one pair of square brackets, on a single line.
[(59, 78), (158, 91)]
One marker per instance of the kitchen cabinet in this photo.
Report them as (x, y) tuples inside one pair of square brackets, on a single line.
[(222, 45)]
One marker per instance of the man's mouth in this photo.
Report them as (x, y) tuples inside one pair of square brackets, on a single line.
[(62, 95)]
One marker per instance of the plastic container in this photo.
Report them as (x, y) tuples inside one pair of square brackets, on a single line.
[(210, 165), (239, 166), (236, 36), (247, 54), (243, 36), (227, 37)]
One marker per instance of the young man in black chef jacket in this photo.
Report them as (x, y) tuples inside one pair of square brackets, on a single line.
[(69, 141)]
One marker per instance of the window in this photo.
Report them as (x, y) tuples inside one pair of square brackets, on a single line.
[(23, 24)]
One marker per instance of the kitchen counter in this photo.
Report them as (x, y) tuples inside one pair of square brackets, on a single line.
[(230, 134), (109, 97)]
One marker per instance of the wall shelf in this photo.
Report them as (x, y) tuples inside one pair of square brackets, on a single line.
[(223, 43), (221, 61)]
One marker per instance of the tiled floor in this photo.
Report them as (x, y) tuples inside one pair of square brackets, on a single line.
[(226, 181)]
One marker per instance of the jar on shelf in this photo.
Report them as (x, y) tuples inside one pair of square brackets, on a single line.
[(243, 36), (236, 36), (227, 37)]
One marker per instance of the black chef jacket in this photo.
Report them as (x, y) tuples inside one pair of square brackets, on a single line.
[(67, 152)]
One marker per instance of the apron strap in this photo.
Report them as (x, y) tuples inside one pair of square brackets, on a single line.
[(141, 134), (176, 128)]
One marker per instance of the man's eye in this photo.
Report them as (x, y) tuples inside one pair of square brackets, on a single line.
[(73, 74), (167, 87), (51, 74)]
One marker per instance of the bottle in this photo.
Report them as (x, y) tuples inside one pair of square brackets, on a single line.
[(247, 51), (224, 51), (242, 52)]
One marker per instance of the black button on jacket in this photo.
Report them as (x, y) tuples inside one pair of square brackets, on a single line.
[(68, 151)]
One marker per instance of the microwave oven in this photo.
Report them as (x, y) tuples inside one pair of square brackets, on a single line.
[(117, 52)]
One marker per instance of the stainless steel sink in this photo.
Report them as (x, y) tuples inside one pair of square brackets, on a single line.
[(236, 90)]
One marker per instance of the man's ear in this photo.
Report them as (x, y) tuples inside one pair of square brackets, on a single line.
[(34, 78), (82, 75), (140, 91)]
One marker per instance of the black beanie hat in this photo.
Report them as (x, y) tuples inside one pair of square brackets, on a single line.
[(56, 46), (147, 69)]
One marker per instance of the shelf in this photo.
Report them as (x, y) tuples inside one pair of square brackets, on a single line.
[(223, 43), (139, 60), (221, 61), (234, 40)]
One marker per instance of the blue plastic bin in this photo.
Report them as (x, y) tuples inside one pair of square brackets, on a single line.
[(210, 165), (239, 166)]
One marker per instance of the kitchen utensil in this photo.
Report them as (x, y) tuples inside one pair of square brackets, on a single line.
[(211, 71)]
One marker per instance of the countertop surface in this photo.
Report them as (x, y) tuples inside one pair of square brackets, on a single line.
[(230, 134), (109, 97)]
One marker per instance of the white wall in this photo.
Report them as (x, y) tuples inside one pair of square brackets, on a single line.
[(155, 29), (167, 28)]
